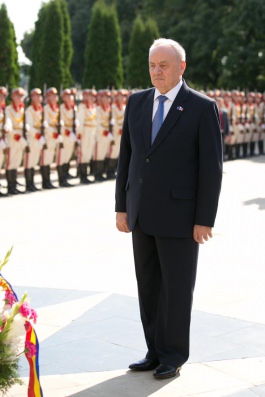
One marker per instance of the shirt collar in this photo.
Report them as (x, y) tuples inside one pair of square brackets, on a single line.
[(170, 94)]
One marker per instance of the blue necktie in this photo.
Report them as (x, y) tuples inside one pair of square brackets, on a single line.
[(159, 117)]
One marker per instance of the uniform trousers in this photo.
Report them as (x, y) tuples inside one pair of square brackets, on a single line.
[(166, 272), (15, 154), (115, 149), (64, 155), (87, 145), (32, 158)]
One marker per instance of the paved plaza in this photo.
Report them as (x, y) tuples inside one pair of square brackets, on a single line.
[(79, 274)]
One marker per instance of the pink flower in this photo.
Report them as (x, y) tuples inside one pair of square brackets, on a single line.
[(10, 298), (30, 349), (25, 310), (33, 316)]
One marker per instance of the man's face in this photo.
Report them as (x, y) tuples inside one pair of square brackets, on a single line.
[(165, 68), (52, 99), (17, 99), (36, 99)]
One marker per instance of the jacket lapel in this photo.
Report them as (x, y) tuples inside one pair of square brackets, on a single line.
[(175, 112)]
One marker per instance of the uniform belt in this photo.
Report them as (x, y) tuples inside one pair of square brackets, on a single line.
[(89, 125)]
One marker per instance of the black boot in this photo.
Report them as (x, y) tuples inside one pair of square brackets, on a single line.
[(32, 179), (98, 166), (82, 169), (237, 151), (10, 185), (252, 148), (61, 177), (91, 169), (261, 147), (27, 174), (45, 174), (245, 149), (15, 182), (66, 168), (111, 168), (11, 182)]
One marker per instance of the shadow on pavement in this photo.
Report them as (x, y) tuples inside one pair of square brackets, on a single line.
[(260, 201), (130, 384)]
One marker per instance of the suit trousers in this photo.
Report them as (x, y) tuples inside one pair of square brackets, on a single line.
[(166, 273)]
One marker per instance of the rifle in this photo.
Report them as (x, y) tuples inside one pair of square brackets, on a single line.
[(111, 115), (59, 119), (74, 119), (42, 127), (24, 128), (3, 133)]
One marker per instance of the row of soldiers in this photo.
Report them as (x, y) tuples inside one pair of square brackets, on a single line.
[(47, 132), (244, 131)]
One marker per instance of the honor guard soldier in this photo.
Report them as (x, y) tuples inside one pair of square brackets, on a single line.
[(238, 118), (251, 125), (87, 128), (16, 138), (260, 109), (3, 127), (64, 155), (104, 135), (118, 109), (34, 115), (52, 136)]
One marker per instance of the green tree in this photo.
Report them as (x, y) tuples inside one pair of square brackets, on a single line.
[(94, 51), (9, 67), (113, 76), (143, 35), (242, 46), (35, 52), (80, 14), (103, 53), (26, 44), (67, 44), (51, 61)]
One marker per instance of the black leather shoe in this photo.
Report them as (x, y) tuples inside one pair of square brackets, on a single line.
[(165, 371), (147, 364)]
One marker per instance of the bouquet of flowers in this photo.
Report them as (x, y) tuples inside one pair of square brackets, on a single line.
[(17, 336)]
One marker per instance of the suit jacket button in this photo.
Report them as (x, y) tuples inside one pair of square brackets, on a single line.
[(140, 180), (147, 160)]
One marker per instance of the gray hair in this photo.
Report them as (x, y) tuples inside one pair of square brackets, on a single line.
[(170, 43)]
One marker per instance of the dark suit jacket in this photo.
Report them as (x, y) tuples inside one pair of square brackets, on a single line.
[(175, 183)]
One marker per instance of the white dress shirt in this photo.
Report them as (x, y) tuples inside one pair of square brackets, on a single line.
[(171, 95)]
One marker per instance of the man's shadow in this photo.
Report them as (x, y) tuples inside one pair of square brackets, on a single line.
[(131, 384), (260, 201)]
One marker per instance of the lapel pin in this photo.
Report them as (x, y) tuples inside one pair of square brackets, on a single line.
[(180, 108)]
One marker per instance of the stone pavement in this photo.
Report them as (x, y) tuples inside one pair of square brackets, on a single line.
[(78, 271)]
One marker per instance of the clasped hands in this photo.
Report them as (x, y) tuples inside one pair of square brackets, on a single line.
[(200, 233)]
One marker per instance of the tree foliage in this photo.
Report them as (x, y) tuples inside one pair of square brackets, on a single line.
[(9, 67), (36, 79), (103, 52), (67, 44), (223, 39), (143, 35), (51, 65)]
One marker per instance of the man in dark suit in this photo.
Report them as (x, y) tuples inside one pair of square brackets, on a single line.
[(167, 193)]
